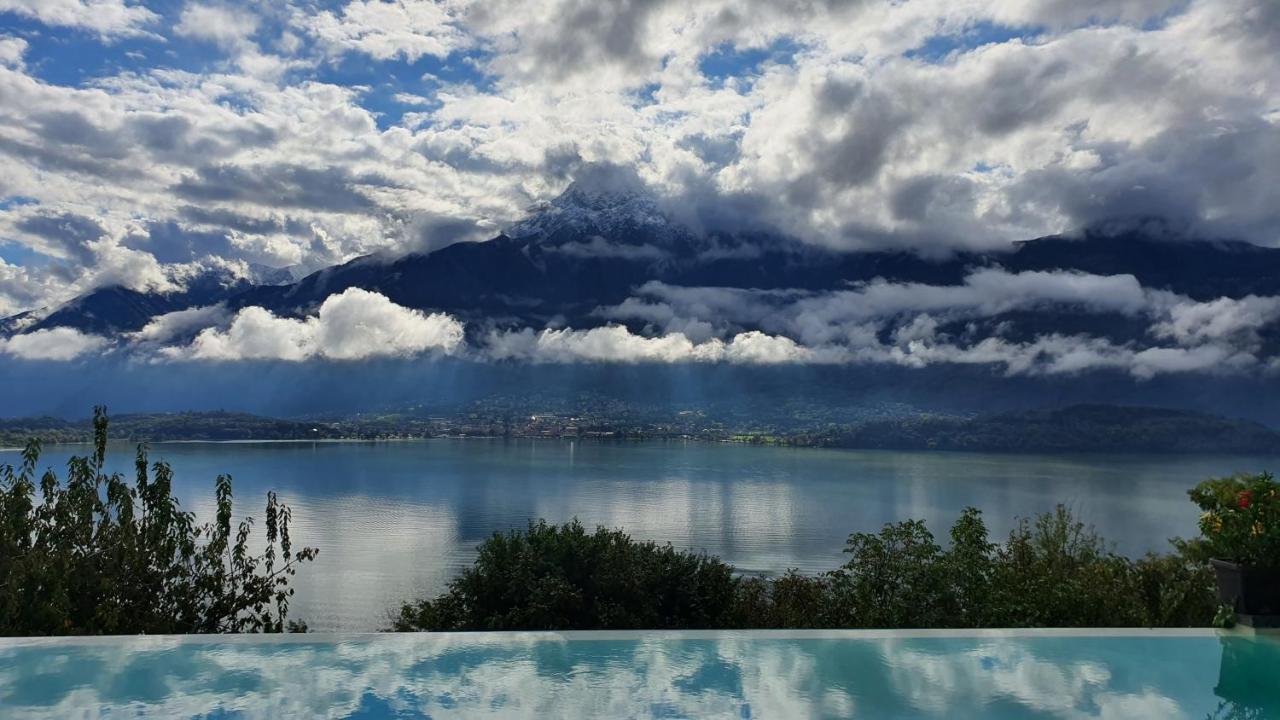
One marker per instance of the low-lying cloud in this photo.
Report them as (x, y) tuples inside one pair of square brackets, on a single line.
[(353, 325), (58, 344), (615, 343), (914, 325)]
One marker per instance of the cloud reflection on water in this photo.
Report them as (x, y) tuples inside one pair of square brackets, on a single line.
[(541, 675)]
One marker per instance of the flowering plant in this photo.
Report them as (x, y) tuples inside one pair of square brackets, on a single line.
[(1241, 520)]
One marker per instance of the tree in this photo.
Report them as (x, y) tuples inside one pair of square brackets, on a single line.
[(1052, 571), (98, 555), (562, 577)]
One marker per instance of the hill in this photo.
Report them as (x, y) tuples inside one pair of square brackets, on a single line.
[(1079, 428)]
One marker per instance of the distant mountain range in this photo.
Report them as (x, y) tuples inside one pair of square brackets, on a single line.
[(587, 250), (114, 309), (1073, 429), (1079, 428)]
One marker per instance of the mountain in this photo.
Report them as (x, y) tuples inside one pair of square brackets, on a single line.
[(1078, 428), (591, 247), (115, 309), (1201, 269), (587, 250)]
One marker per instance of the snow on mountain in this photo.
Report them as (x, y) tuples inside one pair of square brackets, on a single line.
[(622, 214)]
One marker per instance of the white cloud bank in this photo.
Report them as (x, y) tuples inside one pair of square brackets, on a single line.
[(615, 343), (58, 344), (167, 327), (906, 324), (353, 325), (847, 136), (104, 17), (385, 30)]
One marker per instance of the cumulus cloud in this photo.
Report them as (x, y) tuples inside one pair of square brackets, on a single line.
[(837, 123), (903, 324), (11, 51), (1222, 319), (1056, 354), (353, 325), (906, 324), (22, 288), (614, 343), (104, 17), (57, 344), (385, 30), (220, 24), (170, 326), (819, 318)]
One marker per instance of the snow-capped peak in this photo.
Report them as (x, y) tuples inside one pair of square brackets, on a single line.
[(587, 209)]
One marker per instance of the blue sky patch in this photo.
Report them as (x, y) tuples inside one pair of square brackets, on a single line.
[(14, 201), (940, 47), (728, 61), (389, 81)]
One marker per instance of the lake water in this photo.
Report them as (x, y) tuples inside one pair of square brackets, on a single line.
[(396, 520)]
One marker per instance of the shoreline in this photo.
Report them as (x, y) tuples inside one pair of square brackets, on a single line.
[(637, 441)]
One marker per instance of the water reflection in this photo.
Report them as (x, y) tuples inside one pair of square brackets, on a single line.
[(394, 521), (731, 676)]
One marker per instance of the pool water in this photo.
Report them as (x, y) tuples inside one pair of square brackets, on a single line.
[(872, 674)]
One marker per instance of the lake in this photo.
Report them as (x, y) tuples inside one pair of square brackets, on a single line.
[(396, 520)]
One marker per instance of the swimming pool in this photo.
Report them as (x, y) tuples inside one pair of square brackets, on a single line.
[(821, 674)]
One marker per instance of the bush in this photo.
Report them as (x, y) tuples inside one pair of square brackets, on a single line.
[(1241, 520), (1053, 571), (97, 555), (564, 578)]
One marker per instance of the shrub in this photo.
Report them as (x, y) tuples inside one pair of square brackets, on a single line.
[(563, 578), (1241, 520), (1052, 571), (96, 555)]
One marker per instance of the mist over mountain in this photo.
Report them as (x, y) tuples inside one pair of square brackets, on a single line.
[(611, 255), (608, 294)]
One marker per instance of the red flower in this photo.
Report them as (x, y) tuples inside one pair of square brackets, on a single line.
[(1244, 499)]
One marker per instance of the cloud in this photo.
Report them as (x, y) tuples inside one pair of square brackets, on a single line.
[(757, 348), (117, 265), (22, 288), (219, 24), (598, 247), (821, 318), (831, 121), (614, 343), (66, 234), (166, 328), (104, 17), (914, 345), (56, 344), (329, 189), (903, 323), (353, 325), (12, 50), (386, 30), (1223, 319)]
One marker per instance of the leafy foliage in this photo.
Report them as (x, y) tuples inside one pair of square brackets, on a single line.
[(96, 555), (1241, 520), (1052, 571), (562, 577)]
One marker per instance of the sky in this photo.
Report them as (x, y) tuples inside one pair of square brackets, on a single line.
[(144, 142)]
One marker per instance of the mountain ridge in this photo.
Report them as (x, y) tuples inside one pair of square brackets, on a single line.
[(592, 248)]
